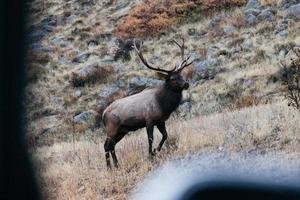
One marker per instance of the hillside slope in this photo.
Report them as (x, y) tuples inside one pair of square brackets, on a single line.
[(80, 59)]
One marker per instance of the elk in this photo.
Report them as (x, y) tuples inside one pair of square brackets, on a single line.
[(151, 107)]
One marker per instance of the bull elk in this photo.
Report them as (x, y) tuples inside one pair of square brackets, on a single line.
[(149, 108)]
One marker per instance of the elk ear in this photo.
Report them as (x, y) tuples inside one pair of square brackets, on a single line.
[(162, 75)]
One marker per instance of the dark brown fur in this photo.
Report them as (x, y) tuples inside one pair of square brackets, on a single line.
[(149, 108), (168, 98)]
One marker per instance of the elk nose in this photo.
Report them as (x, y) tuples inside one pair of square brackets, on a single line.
[(186, 85)]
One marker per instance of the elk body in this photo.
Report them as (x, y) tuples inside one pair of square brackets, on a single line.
[(149, 108)]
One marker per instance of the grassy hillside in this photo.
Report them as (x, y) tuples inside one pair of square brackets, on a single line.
[(80, 60)]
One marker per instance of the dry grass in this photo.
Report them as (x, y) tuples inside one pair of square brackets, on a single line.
[(91, 73), (53, 94), (78, 171), (237, 19), (151, 18), (271, 2)]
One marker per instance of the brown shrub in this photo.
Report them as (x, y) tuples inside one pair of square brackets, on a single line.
[(246, 101), (237, 19), (38, 57), (151, 18), (90, 74), (265, 28), (270, 2)]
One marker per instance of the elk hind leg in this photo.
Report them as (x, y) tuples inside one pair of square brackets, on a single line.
[(149, 129), (119, 136), (108, 147), (114, 157)]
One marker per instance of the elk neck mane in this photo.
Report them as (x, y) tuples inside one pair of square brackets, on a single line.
[(168, 98)]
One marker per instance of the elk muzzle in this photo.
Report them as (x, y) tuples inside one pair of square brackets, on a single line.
[(186, 85)]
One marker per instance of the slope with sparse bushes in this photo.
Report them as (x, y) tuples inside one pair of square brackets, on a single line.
[(80, 59)]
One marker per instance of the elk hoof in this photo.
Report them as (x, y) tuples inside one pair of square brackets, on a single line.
[(153, 153)]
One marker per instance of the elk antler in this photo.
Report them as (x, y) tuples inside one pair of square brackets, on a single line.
[(184, 62), (138, 50), (181, 47)]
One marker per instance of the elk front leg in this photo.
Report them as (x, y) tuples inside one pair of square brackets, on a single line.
[(162, 128), (107, 149), (149, 128)]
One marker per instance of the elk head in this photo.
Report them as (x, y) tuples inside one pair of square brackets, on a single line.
[(173, 77)]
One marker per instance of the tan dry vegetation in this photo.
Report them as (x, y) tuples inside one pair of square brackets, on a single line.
[(151, 18), (54, 92), (77, 170), (226, 114), (271, 2)]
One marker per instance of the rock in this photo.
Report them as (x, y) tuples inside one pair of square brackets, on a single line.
[(38, 48), (207, 63), (293, 12), (283, 34), (283, 26), (90, 74), (284, 4), (86, 117), (88, 3), (36, 36), (59, 41), (267, 15), (57, 101), (42, 29), (195, 55), (247, 45), (252, 11), (282, 54), (138, 84), (245, 83), (253, 4), (71, 19), (50, 20), (206, 69), (216, 20), (109, 91), (251, 20), (63, 60), (230, 30), (77, 93), (212, 51), (83, 57)]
